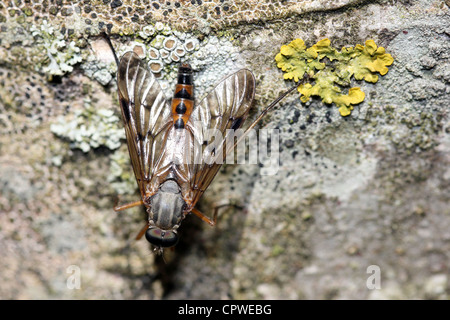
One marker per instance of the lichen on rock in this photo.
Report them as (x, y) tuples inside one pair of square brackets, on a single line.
[(62, 54), (90, 128), (332, 69), (348, 192), (126, 16)]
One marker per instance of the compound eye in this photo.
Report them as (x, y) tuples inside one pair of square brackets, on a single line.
[(161, 238)]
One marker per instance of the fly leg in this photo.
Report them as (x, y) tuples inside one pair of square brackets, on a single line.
[(263, 113), (142, 231), (212, 222), (118, 207)]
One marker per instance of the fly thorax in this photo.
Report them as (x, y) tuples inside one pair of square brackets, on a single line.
[(167, 206)]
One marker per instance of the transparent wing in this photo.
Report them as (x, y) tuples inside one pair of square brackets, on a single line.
[(225, 107), (146, 115)]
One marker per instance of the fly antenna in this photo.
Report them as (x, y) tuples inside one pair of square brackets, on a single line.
[(264, 112), (108, 40)]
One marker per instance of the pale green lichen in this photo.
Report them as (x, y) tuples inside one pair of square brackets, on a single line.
[(63, 55), (121, 177), (212, 57), (360, 62), (162, 46), (90, 128), (99, 71)]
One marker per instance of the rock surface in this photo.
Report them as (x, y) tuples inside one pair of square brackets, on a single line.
[(353, 198)]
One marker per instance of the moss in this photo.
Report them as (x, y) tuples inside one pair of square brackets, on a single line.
[(332, 69)]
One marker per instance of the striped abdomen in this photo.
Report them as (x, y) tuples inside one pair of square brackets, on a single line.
[(183, 99)]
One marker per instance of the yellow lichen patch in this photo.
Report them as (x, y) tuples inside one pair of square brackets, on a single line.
[(323, 49), (359, 62), (324, 89), (368, 61), (295, 60)]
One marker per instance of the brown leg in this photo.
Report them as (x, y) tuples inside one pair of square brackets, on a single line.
[(142, 232), (205, 218), (214, 219), (118, 207)]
